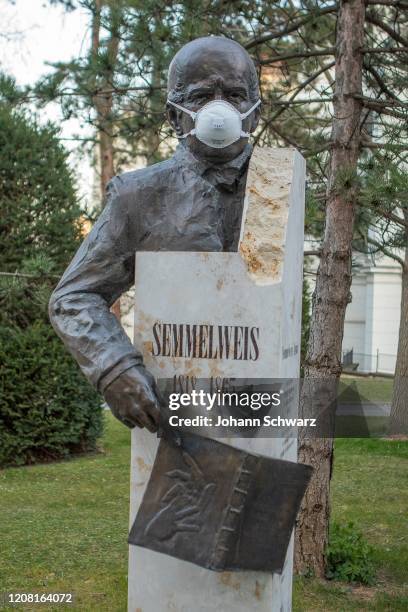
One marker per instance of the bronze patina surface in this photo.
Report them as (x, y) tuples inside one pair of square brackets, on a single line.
[(190, 202), (219, 507), (206, 502)]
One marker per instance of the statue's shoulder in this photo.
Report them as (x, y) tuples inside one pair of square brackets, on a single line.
[(153, 177)]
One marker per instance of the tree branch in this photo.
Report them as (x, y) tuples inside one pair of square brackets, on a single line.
[(293, 96), (394, 218), (381, 83), (371, 18), (278, 34), (324, 147), (301, 54), (383, 249), (302, 101), (285, 138), (393, 3), (96, 27), (384, 50), (368, 144), (382, 107)]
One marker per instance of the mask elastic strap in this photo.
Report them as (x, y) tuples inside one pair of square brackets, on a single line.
[(245, 115), (188, 134), (185, 110)]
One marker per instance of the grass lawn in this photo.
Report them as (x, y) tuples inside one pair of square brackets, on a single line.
[(64, 527), (356, 389)]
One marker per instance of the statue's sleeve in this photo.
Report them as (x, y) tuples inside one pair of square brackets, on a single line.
[(102, 269)]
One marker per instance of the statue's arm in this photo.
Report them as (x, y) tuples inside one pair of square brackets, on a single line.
[(102, 269)]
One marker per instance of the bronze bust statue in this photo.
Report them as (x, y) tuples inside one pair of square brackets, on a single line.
[(190, 202), (238, 509)]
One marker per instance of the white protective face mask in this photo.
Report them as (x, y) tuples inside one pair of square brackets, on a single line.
[(218, 123)]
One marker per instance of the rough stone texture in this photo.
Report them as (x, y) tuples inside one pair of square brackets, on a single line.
[(221, 288), (127, 310), (266, 213)]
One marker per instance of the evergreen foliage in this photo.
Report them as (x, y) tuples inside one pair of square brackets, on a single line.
[(47, 408), (39, 212)]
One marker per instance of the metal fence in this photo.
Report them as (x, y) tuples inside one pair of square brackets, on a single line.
[(378, 363)]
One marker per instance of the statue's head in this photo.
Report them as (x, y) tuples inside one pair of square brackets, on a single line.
[(211, 69)]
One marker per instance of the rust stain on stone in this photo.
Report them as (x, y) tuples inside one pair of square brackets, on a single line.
[(253, 262), (230, 580), (258, 590), (142, 465), (148, 346)]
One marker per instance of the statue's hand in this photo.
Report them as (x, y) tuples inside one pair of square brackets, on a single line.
[(133, 398)]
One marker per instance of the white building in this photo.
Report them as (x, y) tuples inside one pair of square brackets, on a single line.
[(372, 318)]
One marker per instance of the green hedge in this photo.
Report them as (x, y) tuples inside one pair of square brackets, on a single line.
[(47, 408)]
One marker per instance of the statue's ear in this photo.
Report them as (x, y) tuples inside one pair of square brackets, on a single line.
[(255, 118), (174, 118)]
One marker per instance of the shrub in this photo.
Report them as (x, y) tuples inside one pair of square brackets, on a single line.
[(47, 408), (349, 556)]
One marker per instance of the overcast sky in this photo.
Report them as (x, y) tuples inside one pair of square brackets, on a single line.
[(37, 34)]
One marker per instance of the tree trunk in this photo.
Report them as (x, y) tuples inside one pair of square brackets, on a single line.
[(332, 292), (152, 139), (399, 405), (103, 95), (103, 104), (106, 155)]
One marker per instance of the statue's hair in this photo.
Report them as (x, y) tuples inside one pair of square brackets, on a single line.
[(176, 84)]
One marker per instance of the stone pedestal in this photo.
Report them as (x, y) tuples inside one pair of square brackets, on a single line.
[(258, 287)]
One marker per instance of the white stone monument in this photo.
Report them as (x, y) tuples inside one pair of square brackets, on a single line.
[(258, 288)]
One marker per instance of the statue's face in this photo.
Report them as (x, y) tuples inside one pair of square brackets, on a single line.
[(213, 73)]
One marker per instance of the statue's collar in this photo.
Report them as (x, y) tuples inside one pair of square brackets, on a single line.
[(225, 173)]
